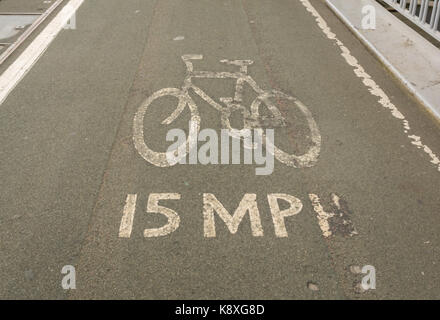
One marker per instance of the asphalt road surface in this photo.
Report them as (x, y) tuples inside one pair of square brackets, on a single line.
[(75, 190)]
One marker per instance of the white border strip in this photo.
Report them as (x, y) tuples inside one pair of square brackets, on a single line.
[(28, 31), (20, 67), (371, 85)]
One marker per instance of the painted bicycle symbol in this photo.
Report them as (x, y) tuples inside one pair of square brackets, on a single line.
[(227, 105)]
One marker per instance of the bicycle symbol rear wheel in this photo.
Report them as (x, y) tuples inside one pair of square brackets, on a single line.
[(162, 159)]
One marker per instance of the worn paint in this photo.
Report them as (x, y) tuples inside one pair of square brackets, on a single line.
[(248, 204), (251, 117), (172, 216), (335, 221), (128, 216), (371, 85), (279, 215)]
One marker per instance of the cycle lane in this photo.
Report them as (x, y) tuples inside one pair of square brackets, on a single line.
[(365, 159)]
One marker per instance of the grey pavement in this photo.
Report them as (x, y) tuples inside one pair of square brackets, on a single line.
[(68, 162)]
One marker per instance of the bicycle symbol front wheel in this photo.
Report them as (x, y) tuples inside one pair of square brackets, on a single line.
[(309, 158)]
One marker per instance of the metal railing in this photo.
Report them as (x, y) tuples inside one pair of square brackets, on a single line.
[(424, 13)]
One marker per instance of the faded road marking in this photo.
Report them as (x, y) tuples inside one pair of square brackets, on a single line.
[(128, 216), (212, 207), (247, 204), (322, 215), (24, 63), (372, 86), (279, 215), (172, 216), (227, 105), (337, 221)]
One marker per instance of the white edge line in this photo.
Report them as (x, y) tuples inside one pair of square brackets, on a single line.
[(24, 63), (42, 17)]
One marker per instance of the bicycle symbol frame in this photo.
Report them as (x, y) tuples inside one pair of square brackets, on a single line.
[(251, 116)]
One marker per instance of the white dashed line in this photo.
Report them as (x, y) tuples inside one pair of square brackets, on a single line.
[(372, 86)]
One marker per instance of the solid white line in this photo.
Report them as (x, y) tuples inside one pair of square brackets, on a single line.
[(42, 17), (24, 63), (128, 216)]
